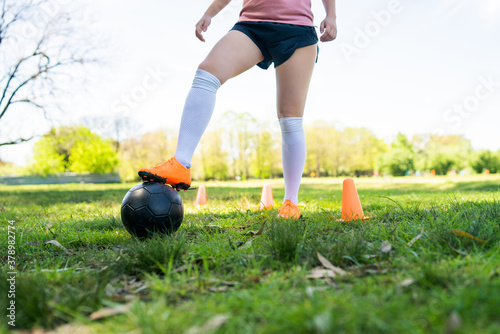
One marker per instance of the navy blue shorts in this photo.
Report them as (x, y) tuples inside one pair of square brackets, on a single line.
[(277, 41)]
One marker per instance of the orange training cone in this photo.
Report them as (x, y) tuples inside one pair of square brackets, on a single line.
[(266, 199), (351, 206), (201, 196)]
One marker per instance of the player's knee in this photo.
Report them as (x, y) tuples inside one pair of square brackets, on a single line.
[(210, 68), (290, 111)]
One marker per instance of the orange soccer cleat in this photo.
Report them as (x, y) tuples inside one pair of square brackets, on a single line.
[(169, 172), (289, 210)]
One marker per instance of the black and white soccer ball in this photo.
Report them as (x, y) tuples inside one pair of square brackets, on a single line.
[(151, 207)]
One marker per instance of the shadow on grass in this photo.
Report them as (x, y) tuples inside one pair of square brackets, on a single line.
[(487, 186)]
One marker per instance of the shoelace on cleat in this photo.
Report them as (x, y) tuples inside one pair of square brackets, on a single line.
[(163, 163)]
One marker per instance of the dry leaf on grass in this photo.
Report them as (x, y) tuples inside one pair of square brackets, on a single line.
[(211, 325), (57, 244), (109, 312), (456, 250), (182, 268), (259, 232), (467, 235), (63, 329), (310, 290), (369, 256), (406, 282), (141, 288), (320, 273), (385, 247), (454, 323), (327, 264), (215, 226), (412, 241)]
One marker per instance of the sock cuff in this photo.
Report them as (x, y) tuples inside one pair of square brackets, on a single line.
[(291, 124), (205, 80)]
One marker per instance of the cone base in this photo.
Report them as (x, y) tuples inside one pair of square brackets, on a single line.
[(262, 207), (347, 221)]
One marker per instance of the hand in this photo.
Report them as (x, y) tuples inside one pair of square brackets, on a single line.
[(328, 29), (202, 26)]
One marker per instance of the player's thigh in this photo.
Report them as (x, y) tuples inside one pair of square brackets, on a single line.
[(233, 54), (292, 82)]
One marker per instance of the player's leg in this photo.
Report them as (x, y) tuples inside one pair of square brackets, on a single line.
[(232, 55), (292, 83)]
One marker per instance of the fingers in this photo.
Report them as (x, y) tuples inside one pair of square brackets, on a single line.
[(199, 29), (328, 31), (202, 26)]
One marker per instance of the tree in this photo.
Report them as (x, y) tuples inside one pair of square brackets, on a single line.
[(360, 149), (145, 151), (239, 141), (214, 160), (266, 156), (400, 159), (115, 127), (72, 148), (93, 156), (397, 161), (42, 45), (47, 159), (7, 168), (322, 149), (486, 159), (443, 153)]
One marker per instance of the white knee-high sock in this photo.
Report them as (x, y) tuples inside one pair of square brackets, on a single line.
[(198, 110), (293, 155)]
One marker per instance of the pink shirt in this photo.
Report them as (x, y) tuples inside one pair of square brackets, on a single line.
[(281, 11)]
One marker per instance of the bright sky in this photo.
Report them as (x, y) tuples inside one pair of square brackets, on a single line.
[(426, 66)]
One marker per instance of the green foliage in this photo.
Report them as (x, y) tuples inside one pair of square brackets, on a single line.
[(8, 168), (47, 159), (145, 151), (266, 157), (333, 152), (94, 156), (402, 142), (359, 149), (442, 153), (158, 254), (213, 157), (72, 148), (400, 159), (441, 162), (239, 142), (243, 148), (397, 161), (486, 159)]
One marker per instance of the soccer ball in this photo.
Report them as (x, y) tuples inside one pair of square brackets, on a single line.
[(151, 207)]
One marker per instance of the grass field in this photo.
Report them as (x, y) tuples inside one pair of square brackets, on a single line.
[(428, 261)]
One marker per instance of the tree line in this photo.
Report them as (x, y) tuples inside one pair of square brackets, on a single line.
[(243, 148)]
